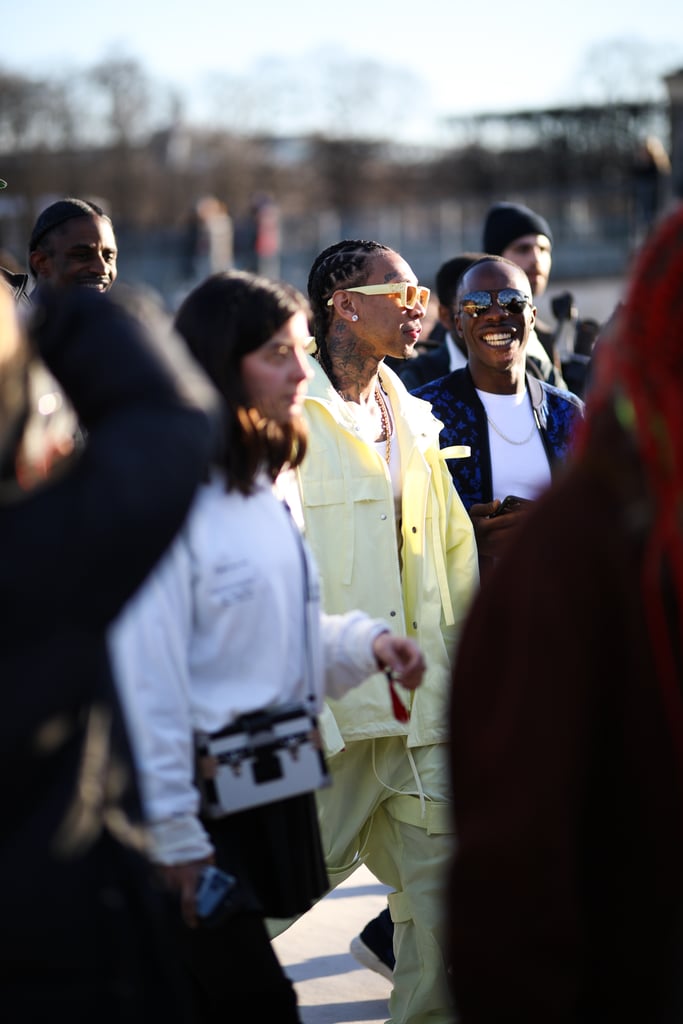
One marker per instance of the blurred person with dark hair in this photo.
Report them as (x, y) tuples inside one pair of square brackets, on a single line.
[(259, 238), (208, 245), (81, 920), (566, 896), (651, 177)]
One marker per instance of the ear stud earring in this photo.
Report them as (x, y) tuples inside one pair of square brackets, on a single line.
[(354, 317)]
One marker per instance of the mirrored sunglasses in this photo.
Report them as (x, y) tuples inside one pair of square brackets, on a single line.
[(510, 300), (408, 294)]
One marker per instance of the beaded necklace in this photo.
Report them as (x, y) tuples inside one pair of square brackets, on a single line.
[(386, 422), (384, 416)]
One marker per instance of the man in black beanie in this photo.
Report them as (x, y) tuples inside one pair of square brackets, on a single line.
[(524, 237), (506, 228), (73, 243)]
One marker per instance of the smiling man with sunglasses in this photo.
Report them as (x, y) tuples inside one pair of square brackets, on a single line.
[(519, 428)]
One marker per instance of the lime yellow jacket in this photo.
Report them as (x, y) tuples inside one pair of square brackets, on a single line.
[(349, 521)]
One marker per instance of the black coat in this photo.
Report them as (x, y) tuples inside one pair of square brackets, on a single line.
[(77, 911)]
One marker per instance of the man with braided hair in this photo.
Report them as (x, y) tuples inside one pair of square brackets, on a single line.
[(566, 895), (391, 536)]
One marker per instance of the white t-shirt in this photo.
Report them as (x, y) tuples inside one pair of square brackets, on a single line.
[(519, 464), (367, 430)]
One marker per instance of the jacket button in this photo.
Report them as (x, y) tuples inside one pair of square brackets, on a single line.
[(383, 516), (415, 625), (415, 529), (392, 614)]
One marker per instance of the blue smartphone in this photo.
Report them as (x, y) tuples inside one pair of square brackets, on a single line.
[(216, 895)]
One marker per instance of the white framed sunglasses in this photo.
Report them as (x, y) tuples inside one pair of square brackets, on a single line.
[(408, 294)]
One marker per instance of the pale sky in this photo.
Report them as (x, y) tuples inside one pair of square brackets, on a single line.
[(455, 57)]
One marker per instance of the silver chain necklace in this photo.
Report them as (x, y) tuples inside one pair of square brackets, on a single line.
[(509, 439)]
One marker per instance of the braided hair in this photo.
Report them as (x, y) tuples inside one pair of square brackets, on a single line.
[(638, 374), (342, 265)]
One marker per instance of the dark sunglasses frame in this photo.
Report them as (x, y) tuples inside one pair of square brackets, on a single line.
[(510, 300)]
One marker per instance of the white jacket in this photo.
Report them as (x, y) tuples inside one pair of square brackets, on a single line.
[(221, 628)]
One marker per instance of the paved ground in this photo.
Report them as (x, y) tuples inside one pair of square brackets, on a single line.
[(332, 987)]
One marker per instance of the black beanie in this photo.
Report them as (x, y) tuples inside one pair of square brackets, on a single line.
[(507, 221), (59, 213)]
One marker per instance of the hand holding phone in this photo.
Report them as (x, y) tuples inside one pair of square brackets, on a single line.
[(218, 895), (511, 503)]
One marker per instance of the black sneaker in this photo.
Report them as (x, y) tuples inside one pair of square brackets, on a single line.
[(374, 947)]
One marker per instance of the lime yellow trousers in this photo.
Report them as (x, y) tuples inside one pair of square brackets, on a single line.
[(388, 808)]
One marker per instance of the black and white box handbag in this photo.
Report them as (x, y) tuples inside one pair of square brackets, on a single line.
[(263, 757)]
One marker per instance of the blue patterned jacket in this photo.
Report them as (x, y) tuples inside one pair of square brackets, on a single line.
[(455, 402)]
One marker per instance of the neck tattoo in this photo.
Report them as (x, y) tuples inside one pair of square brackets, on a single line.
[(383, 411), (384, 416), (509, 439)]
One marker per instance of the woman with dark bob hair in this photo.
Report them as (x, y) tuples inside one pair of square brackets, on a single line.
[(231, 625)]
